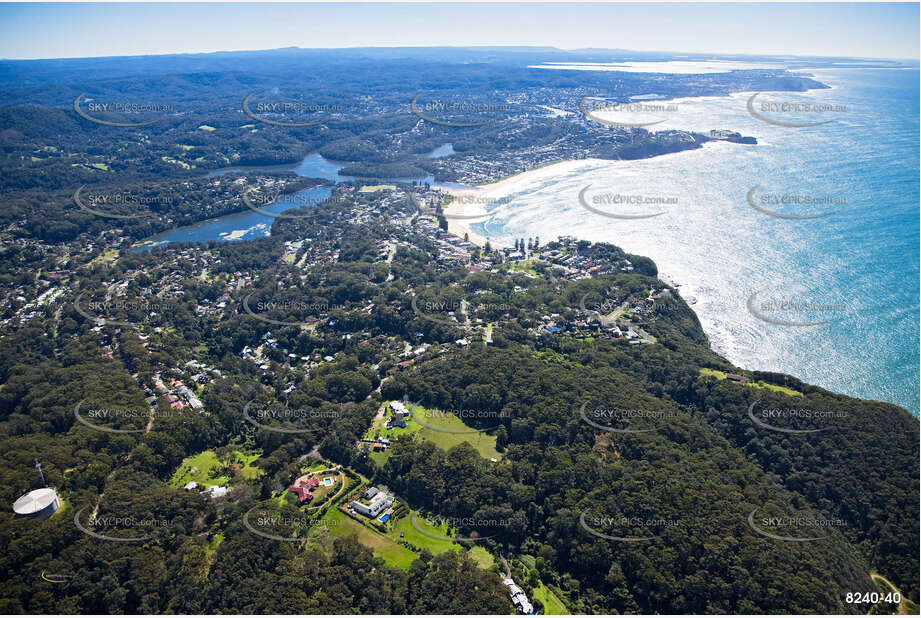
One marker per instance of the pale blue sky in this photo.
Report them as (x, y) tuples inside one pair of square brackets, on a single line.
[(82, 30)]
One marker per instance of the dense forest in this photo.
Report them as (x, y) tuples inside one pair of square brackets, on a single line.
[(625, 476)]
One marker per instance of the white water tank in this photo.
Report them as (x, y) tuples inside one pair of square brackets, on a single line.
[(38, 503)]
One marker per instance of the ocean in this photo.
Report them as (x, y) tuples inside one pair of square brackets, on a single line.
[(832, 299)]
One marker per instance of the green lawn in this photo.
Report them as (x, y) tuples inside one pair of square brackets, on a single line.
[(382, 546), (527, 266), (387, 546), (249, 471), (721, 375), (436, 420), (321, 490), (482, 557), (412, 536), (205, 469), (552, 604), (105, 256)]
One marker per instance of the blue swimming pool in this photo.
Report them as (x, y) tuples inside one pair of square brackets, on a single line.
[(384, 517)]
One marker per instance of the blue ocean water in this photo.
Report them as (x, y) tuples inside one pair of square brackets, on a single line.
[(855, 270)]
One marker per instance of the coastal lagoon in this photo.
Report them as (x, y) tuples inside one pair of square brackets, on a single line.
[(245, 225), (708, 237), (315, 165), (248, 225), (862, 259)]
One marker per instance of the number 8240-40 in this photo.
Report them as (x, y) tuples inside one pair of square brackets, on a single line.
[(872, 597)]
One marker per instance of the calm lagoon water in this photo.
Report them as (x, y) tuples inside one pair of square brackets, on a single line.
[(245, 225), (248, 225)]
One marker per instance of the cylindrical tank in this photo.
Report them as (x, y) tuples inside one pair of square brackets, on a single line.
[(38, 503)]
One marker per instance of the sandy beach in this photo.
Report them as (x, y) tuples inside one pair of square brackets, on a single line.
[(488, 198)]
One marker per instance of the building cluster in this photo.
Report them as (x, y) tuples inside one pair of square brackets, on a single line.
[(372, 503), (519, 598), (303, 487), (398, 415), (176, 393), (214, 492)]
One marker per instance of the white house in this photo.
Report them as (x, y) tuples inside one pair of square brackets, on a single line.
[(377, 503), (519, 598)]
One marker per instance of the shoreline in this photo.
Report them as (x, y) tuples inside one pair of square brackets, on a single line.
[(470, 202)]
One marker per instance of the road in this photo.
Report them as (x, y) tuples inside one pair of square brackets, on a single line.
[(906, 607)]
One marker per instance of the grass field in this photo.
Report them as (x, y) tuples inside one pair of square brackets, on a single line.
[(383, 547), (412, 536), (436, 420), (721, 375), (106, 256), (205, 469), (482, 557), (552, 604), (249, 471), (321, 490), (387, 546), (527, 266)]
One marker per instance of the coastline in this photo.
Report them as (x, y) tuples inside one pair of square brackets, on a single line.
[(722, 340), (470, 202)]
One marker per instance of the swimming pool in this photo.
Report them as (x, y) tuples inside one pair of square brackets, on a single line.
[(384, 517)]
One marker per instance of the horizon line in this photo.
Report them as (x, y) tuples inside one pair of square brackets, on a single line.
[(472, 47)]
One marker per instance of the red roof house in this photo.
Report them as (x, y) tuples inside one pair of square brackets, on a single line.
[(302, 487)]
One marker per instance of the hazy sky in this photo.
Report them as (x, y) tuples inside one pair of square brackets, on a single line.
[(82, 30)]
